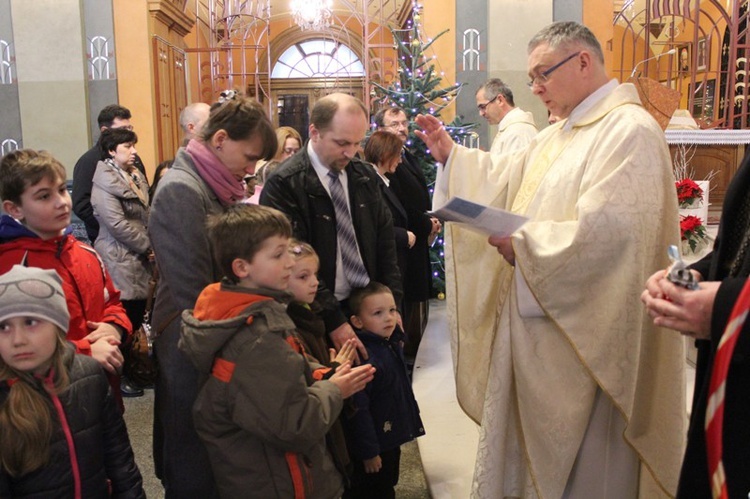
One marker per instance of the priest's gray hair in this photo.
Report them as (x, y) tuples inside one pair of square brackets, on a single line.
[(567, 34), (494, 87)]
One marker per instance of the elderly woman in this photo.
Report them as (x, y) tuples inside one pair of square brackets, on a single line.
[(383, 151), (119, 196), (206, 177)]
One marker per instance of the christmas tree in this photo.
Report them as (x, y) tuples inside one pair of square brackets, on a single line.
[(419, 91)]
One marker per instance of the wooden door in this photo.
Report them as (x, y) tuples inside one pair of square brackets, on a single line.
[(295, 98)]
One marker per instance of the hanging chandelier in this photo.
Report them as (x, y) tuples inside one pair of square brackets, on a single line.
[(314, 15)]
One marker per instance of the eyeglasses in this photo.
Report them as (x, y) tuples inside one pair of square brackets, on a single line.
[(397, 124), (483, 107), (125, 127), (543, 77), (30, 287)]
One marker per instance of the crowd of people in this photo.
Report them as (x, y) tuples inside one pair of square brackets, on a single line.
[(241, 262), (293, 288)]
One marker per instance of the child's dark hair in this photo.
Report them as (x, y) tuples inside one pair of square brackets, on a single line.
[(113, 137), (360, 294), (23, 168), (26, 422), (241, 230), (158, 174)]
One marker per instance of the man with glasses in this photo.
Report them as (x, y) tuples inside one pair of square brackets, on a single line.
[(515, 128), (410, 186), (579, 395)]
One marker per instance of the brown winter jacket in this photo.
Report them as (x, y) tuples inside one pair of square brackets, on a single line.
[(261, 416)]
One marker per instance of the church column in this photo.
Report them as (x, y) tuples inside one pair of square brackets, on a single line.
[(10, 124), (51, 70)]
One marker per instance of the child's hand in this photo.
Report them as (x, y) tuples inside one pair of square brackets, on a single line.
[(344, 332), (101, 330), (351, 380), (348, 353), (373, 465), (108, 354)]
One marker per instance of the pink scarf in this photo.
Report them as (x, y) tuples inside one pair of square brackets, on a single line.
[(227, 188)]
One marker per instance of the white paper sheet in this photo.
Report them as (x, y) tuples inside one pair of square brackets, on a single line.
[(485, 219)]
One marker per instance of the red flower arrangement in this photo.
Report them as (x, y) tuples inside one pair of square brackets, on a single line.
[(692, 231), (689, 193)]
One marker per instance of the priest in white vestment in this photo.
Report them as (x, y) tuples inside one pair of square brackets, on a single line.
[(576, 392), (515, 127)]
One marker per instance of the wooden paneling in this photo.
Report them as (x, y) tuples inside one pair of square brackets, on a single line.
[(170, 94)]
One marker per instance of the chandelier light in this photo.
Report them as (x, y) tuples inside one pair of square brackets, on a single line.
[(312, 14)]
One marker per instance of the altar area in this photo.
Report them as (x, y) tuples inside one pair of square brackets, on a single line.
[(717, 152)]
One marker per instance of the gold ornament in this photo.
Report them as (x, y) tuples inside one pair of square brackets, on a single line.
[(416, 17), (415, 42), (441, 296)]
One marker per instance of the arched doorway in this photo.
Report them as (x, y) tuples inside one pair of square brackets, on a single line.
[(308, 70)]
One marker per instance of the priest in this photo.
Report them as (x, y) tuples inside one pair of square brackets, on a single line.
[(576, 393)]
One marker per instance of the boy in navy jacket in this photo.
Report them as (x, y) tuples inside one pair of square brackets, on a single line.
[(386, 414)]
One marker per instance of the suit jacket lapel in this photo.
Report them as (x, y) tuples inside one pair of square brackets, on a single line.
[(391, 196)]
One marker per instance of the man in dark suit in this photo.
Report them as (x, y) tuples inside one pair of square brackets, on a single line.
[(410, 186), (302, 188)]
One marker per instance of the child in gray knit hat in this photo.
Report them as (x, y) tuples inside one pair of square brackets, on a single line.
[(33, 292), (59, 426)]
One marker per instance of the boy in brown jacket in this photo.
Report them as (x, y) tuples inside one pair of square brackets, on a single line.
[(260, 414)]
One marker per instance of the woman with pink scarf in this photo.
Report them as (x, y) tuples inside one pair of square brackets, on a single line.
[(207, 176)]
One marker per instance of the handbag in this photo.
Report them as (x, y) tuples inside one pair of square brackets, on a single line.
[(141, 366)]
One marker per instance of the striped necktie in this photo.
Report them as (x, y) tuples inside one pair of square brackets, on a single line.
[(715, 409), (354, 269)]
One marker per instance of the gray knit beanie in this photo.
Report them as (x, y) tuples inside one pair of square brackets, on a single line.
[(33, 292)]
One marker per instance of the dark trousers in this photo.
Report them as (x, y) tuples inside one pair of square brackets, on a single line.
[(179, 455), (376, 485), (135, 310), (416, 314)]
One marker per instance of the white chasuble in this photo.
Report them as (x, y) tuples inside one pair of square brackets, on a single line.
[(514, 131), (600, 198)]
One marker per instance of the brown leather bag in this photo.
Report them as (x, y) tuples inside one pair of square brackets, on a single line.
[(141, 366)]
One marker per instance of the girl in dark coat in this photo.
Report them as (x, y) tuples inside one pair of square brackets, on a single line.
[(311, 331), (61, 435)]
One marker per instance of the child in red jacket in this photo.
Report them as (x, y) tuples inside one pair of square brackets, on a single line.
[(33, 233)]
